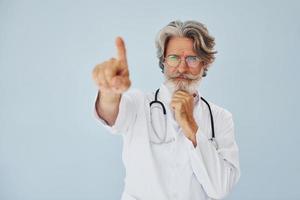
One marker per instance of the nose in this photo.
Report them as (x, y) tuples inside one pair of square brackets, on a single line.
[(182, 66)]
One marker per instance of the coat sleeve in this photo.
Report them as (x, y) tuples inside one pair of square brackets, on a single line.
[(216, 167), (128, 109)]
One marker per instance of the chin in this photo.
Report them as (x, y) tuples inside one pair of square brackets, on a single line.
[(189, 86)]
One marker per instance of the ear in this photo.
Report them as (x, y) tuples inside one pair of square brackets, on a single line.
[(161, 66), (204, 72), (205, 66)]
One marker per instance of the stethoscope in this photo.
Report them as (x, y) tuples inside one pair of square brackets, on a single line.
[(162, 140)]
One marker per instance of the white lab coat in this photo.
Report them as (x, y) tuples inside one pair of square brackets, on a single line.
[(175, 170)]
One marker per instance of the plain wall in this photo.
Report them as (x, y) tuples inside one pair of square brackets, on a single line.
[(51, 146)]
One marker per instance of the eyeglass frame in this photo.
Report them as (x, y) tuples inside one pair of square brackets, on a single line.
[(180, 60)]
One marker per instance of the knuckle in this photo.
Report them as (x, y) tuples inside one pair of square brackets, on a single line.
[(112, 61), (99, 67), (101, 83), (95, 73)]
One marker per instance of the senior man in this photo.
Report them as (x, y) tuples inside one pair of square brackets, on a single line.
[(177, 145)]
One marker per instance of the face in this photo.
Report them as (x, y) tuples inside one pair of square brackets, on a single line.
[(182, 77)]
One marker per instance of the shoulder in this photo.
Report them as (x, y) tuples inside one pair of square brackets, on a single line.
[(219, 112), (134, 93), (223, 120), (138, 96)]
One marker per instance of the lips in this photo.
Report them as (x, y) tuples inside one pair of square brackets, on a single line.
[(181, 78)]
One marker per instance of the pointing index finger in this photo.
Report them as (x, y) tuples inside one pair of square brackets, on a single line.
[(121, 50)]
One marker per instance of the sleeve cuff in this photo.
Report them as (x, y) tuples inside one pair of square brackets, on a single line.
[(120, 124)]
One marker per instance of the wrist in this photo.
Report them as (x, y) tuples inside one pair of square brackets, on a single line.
[(108, 97), (192, 137), (106, 102), (190, 128)]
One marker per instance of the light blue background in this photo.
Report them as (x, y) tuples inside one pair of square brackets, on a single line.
[(51, 146)]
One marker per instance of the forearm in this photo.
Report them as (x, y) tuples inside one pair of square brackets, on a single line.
[(190, 128), (107, 106)]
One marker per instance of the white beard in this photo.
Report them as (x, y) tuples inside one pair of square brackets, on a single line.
[(189, 85)]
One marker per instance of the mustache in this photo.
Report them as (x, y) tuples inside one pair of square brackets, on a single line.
[(186, 76)]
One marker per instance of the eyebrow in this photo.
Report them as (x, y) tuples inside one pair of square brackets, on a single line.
[(172, 54)]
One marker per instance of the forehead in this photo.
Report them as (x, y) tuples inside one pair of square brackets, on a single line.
[(180, 46)]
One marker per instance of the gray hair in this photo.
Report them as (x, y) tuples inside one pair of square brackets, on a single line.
[(203, 42)]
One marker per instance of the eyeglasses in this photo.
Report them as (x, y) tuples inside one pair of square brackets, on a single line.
[(175, 60)]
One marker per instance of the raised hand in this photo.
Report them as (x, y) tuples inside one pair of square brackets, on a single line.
[(112, 76)]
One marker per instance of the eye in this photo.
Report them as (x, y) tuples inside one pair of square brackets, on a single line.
[(192, 59), (173, 58)]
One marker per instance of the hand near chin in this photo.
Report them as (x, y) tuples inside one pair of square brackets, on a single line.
[(182, 104)]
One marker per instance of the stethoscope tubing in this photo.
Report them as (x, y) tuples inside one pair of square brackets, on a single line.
[(210, 111)]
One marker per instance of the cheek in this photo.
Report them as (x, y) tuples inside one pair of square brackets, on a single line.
[(170, 70), (196, 71)]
